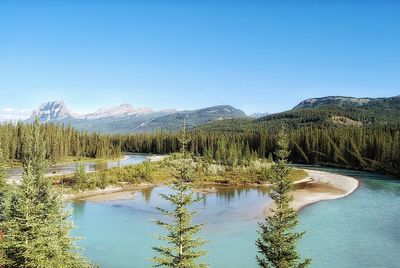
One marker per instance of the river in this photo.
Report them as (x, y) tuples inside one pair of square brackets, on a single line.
[(67, 168), (361, 230)]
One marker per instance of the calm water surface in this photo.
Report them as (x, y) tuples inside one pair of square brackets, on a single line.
[(67, 168), (361, 230)]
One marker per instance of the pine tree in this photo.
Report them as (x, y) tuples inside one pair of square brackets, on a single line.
[(277, 242), (247, 154), (182, 247), (80, 177), (3, 184), (36, 226)]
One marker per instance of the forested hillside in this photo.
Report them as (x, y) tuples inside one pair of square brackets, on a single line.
[(332, 115), (347, 132), (375, 148), (173, 122), (323, 112)]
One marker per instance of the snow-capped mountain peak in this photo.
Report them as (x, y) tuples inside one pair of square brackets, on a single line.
[(119, 111), (51, 111), (126, 118), (258, 115)]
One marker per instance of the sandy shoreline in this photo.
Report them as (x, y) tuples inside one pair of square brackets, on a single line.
[(111, 193), (320, 186), (156, 158), (317, 187)]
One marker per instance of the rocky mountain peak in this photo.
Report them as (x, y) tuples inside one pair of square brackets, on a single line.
[(51, 111)]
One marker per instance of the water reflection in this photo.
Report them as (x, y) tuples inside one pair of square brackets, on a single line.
[(61, 169), (146, 193), (78, 208), (389, 187), (226, 194), (99, 166)]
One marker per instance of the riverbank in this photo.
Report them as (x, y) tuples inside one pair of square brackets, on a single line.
[(316, 187), (319, 186), (156, 158), (57, 171), (110, 193)]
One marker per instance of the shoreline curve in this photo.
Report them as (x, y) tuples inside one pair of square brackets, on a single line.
[(319, 186)]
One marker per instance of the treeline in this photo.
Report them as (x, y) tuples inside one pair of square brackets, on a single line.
[(369, 147), (60, 141), (374, 148)]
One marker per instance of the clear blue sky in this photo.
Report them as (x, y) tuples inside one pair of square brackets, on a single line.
[(260, 56)]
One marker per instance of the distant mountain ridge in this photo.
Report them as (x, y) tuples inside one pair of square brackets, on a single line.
[(348, 102), (258, 115), (325, 111), (338, 110), (331, 111), (333, 100), (125, 118), (119, 111), (194, 118)]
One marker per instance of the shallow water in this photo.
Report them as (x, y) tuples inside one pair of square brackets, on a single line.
[(361, 230), (67, 168)]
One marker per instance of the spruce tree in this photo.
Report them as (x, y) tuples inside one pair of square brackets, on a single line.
[(3, 192), (36, 226), (181, 248), (277, 240), (80, 177), (3, 184)]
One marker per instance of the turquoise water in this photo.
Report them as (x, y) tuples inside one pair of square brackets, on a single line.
[(361, 230), (68, 168)]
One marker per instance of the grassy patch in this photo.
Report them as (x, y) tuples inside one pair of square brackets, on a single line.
[(298, 174), (258, 172), (151, 172), (68, 159)]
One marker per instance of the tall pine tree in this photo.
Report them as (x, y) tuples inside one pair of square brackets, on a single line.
[(36, 226), (182, 247), (3, 189), (277, 242), (3, 183)]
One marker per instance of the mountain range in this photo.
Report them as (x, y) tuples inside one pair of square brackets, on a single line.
[(125, 118), (325, 111)]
